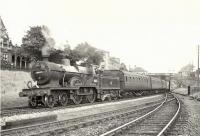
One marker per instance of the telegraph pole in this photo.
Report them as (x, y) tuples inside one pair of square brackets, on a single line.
[(198, 70)]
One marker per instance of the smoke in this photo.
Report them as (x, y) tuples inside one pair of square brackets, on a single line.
[(49, 41)]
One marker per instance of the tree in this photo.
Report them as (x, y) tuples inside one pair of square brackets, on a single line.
[(56, 56), (74, 57), (187, 68), (87, 54), (70, 54), (123, 67), (38, 42), (33, 41)]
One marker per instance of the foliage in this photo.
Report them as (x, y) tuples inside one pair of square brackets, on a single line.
[(123, 67), (5, 64), (74, 57), (185, 75), (187, 68), (87, 54), (83, 53), (37, 41), (33, 41), (56, 56)]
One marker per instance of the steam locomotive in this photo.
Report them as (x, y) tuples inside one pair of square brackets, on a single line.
[(61, 84)]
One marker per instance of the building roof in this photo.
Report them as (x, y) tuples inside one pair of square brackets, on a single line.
[(3, 31)]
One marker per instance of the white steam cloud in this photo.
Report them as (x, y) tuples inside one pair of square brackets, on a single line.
[(49, 41)]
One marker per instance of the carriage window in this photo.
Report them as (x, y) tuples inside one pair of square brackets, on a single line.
[(126, 78)]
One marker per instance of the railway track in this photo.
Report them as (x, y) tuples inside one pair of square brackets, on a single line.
[(7, 112), (155, 122), (59, 127), (26, 110)]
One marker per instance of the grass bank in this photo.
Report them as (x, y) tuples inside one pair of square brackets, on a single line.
[(12, 82), (184, 91), (196, 96)]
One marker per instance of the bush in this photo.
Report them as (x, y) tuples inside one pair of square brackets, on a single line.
[(5, 64)]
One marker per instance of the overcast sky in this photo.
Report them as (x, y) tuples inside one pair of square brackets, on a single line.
[(158, 35)]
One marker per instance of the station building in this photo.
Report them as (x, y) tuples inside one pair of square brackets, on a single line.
[(11, 56)]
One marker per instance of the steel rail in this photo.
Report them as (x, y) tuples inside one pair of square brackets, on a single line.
[(174, 117), (8, 112), (99, 120), (133, 121), (46, 123)]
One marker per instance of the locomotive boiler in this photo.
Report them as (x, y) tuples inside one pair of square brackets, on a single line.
[(56, 75)]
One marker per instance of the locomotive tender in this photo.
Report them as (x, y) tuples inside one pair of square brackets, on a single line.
[(60, 84)]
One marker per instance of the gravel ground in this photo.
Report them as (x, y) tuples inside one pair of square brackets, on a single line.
[(70, 113), (97, 129), (188, 123), (103, 127)]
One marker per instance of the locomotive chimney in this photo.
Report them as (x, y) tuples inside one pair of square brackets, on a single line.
[(45, 53), (45, 57)]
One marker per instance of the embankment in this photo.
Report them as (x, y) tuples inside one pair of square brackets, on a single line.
[(12, 82), (184, 91)]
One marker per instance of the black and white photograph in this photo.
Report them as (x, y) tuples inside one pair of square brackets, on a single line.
[(100, 67)]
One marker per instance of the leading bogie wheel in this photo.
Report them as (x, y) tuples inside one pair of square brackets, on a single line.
[(32, 102), (49, 101)]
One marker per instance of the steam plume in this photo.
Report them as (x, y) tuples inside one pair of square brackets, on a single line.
[(49, 41)]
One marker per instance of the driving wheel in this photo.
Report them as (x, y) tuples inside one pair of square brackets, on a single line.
[(91, 97), (63, 99), (77, 99)]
